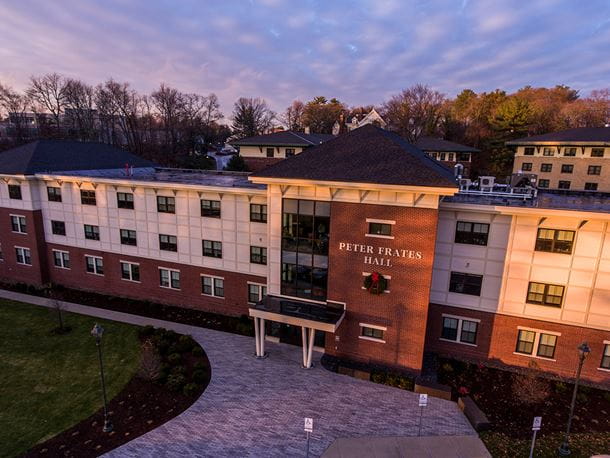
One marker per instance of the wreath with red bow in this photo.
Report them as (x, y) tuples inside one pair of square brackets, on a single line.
[(375, 283)]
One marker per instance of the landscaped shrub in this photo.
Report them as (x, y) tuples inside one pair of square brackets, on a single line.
[(174, 358), (163, 374), (561, 387), (199, 376), (175, 382), (200, 365), (197, 351), (150, 362), (378, 377), (607, 396), (392, 379), (163, 345), (178, 370), (146, 332), (190, 389), (184, 345), (582, 397), (529, 387)]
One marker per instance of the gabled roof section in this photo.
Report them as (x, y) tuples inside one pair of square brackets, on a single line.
[(368, 154), (435, 144), (284, 138), (598, 135), (63, 155)]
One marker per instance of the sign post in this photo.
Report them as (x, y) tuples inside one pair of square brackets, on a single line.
[(308, 429), (535, 427), (423, 402)]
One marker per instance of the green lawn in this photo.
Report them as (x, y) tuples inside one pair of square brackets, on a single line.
[(50, 382)]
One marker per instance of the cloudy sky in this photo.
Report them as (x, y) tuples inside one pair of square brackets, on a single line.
[(360, 51)]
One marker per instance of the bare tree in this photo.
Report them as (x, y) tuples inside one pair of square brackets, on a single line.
[(50, 92), (211, 110), (80, 109), (251, 117), (169, 104), (150, 362), (293, 116), (16, 106), (414, 112)]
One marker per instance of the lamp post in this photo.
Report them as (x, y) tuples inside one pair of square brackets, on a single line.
[(583, 352), (97, 332)]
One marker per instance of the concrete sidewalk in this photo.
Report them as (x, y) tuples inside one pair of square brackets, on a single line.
[(256, 407)]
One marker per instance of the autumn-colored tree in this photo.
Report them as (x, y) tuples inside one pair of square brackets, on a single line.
[(321, 114), (293, 116)]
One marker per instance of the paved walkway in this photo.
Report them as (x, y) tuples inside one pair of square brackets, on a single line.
[(256, 407)]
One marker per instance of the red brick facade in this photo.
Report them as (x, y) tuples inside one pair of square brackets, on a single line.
[(258, 163), (404, 310), (497, 341)]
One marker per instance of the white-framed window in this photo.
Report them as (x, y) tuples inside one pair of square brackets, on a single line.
[(460, 329), (18, 224), (1, 253), (256, 292), (130, 271), (605, 362), (94, 264), (536, 343), (169, 278), (372, 332), (379, 228), (212, 286), (24, 256), (61, 259)]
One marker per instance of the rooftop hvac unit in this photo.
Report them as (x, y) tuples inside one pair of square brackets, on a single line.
[(465, 184), (486, 183)]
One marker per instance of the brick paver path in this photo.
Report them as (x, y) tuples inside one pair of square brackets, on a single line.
[(256, 407)]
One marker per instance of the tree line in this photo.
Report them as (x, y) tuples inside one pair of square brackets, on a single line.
[(177, 128)]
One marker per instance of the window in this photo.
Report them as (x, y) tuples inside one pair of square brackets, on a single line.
[(554, 241), (212, 249), (87, 197), (548, 151), (256, 292), (290, 152), (269, 152), (380, 229), (597, 152), (372, 333), (450, 157), (168, 242), (526, 166), (443, 156), (543, 183), (569, 151), (258, 255), (459, 329), (128, 237), (605, 364), (1, 253), (258, 213), (471, 233), (594, 170), (58, 227), (567, 168), (94, 265), (124, 200), (463, 157), (536, 343), (166, 204), (14, 191), (544, 294), (169, 278), (465, 283), (24, 256), (53, 194), (130, 271), (590, 186), (18, 224), (92, 232), (529, 151), (305, 237), (563, 184), (546, 167), (61, 259), (210, 208), (212, 286)]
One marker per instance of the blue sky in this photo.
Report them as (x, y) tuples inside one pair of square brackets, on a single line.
[(360, 51)]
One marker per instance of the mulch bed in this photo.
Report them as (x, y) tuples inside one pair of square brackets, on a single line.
[(141, 406), (493, 391)]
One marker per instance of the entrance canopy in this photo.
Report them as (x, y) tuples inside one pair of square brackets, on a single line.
[(309, 316)]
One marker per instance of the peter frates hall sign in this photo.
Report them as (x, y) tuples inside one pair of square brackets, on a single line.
[(379, 256)]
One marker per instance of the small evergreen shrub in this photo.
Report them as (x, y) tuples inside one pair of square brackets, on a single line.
[(199, 376), (174, 358), (200, 365), (146, 332), (191, 389), (175, 382), (197, 351)]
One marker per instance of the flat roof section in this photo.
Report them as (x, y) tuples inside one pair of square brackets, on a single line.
[(299, 313)]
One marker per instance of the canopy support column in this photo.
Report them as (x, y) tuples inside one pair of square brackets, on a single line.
[(259, 337), (307, 335)]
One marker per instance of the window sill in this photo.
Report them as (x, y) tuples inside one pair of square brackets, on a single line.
[(211, 295), (458, 342), (603, 369), (169, 287), (131, 281), (61, 267), (378, 236), (371, 339), (22, 264), (17, 232), (385, 291), (94, 273), (534, 356)]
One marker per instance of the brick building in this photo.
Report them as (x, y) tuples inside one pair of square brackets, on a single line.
[(361, 247)]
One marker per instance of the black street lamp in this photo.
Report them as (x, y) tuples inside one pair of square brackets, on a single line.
[(583, 352), (97, 332)]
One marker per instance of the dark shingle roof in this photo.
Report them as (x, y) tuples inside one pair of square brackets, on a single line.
[(284, 138), (439, 145), (368, 154), (581, 134), (63, 155)]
